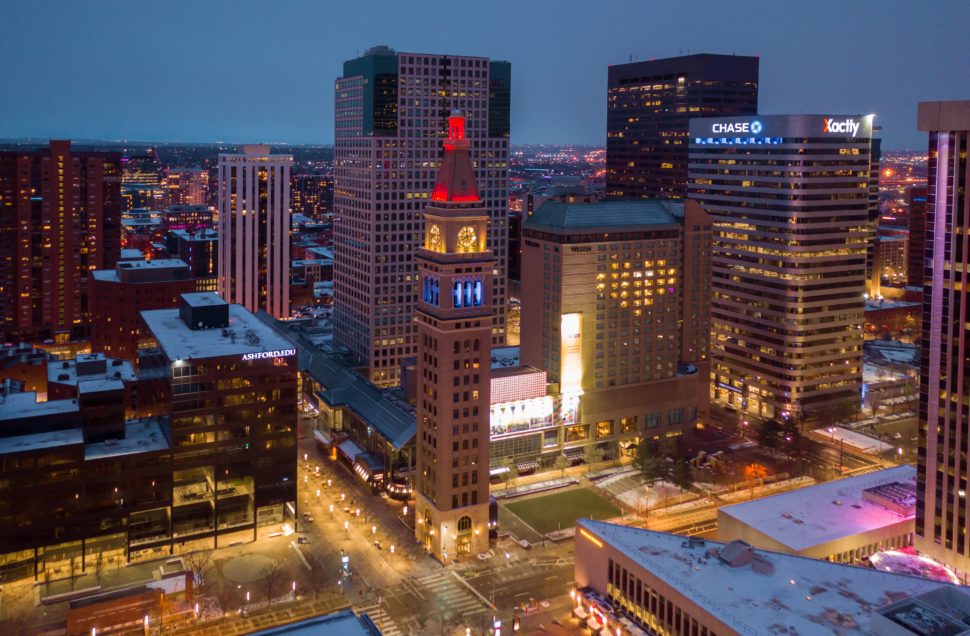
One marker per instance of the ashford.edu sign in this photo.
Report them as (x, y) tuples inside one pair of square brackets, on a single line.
[(259, 355)]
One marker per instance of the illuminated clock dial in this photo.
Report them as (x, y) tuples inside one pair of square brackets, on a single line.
[(467, 238), (434, 237)]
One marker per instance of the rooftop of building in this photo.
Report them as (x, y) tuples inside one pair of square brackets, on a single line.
[(41, 441), (607, 215), (141, 436), (131, 254), (878, 304), (342, 623), (201, 234), (760, 592), (156, 266), (503, 357), (803, 518), (244, 334), (15, 406), (90, 366)]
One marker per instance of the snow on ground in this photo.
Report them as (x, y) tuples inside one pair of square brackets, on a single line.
[(650, 496)]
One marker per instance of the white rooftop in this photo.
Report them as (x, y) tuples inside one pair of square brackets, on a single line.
[(58, 369), (40, 441), (801, 519), (790, 595), (17, 405), (181, 343), (140, 436)]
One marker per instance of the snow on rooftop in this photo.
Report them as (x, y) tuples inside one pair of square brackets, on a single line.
[(65, 371), (801, 519), (99, 385), (18, 405), (181, 343), (40, 441), (861, 441), (783, 594), (141, 436), (505, 357)]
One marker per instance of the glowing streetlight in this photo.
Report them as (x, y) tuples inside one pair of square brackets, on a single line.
[(392, 548), (405, 513), (318, 493), (305, 456), (293, 587), (373, 530)]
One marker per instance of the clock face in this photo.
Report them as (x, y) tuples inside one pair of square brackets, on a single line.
[(467, 238), (434, 236)]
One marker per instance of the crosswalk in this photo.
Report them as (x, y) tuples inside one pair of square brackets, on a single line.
[(451, 593), (378, 614)]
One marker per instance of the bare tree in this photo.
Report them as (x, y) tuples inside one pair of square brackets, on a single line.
[(99, 565), (271, 580), (314, 579), (224, 595), (202, 567)]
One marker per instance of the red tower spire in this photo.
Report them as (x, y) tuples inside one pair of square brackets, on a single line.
[(456, 177)]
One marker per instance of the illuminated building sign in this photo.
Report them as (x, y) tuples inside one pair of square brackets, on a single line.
[(571, 371), (737, 127), (261, 355), (841, 126)]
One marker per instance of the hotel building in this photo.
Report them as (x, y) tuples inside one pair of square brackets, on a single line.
[(454, 319), (941, 513), (391, 114), (789, 199), (616, 301), (254, 230), (649, 105)]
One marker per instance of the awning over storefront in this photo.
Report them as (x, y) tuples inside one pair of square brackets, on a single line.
[(594, 624), (575, 453), (349, 449), (321, 437), (369, 467), (527, 467)]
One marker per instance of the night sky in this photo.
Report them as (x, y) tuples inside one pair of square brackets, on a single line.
[(238, 71)]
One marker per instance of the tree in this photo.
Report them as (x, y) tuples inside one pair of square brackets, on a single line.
[(793, 438), (313, 578), (510, 475), (768, 434), (224, 594), (561, 464), (593, 455), (651, 465), (271, 580), (201, 566), (680, 475)]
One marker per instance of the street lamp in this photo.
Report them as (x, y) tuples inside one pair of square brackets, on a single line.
[(373, 530), (293, 587), (392, 548)]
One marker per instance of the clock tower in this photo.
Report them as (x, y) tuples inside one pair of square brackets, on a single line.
[(454, 316)]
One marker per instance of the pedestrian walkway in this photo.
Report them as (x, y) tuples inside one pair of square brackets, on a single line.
[(450, 593), (379, 615)]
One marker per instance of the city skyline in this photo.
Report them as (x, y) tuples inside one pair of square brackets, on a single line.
[(884, 70)]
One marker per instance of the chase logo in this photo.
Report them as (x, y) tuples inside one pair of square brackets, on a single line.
[(756, 127)]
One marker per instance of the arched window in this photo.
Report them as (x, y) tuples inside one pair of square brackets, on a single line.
[(465, 525)]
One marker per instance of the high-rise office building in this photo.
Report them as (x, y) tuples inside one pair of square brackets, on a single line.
[(789, 197), (941, 505), (254, 230), (391, 114), (454, 320), (649, 105), (60, 218)]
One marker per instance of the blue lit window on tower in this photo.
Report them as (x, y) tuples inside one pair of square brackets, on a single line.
[(479, 292), (456, 293), (430, 290), (468, 293)]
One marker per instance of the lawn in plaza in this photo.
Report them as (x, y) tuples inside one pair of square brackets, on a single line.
[(561, 509)]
